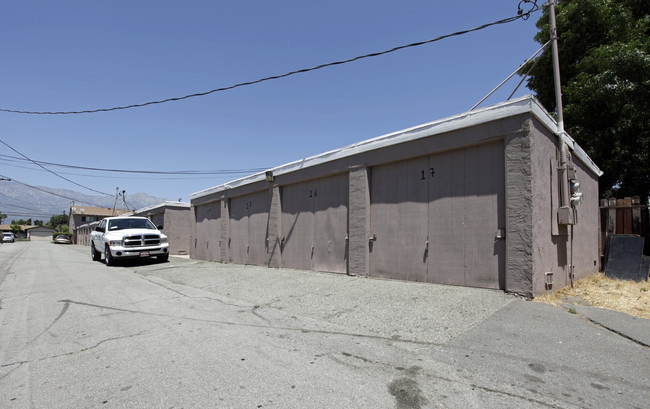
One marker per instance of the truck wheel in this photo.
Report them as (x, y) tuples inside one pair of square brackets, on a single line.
[(163, 258), (107, 254), (94, 253)]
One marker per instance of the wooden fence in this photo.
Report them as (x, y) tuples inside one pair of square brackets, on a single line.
[(624, 216)]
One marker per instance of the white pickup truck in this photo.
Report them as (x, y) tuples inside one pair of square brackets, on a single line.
[(127, 237)]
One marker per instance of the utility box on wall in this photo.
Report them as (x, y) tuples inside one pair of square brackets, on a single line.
[(566, 215)]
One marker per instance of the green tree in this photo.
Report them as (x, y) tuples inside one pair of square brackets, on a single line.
[(38, 222), (58, 222), (16, 227), (2, 217), (604, 52), (22, 222)]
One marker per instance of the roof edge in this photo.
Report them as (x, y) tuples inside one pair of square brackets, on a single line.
[(525, 104), (163, 204)]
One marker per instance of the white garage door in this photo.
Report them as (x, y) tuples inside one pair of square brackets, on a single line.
[(40, 235)]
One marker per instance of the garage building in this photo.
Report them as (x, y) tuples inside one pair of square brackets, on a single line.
[(173, 218), (480, 199), (38, 233)]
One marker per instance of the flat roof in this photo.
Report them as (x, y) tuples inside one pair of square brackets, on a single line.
[(525, 104), (162, 205), (95, 211)]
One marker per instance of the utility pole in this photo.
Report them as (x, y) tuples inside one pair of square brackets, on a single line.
[(117, 194), (567, 206), (8, 180), (556, 66), (564, 186)]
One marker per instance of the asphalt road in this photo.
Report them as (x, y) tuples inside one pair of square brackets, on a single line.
[(192, 334)]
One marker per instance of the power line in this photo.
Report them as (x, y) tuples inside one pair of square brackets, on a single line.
[(37, 214), (52, 172), (55, 194), (153, 172), (521, 14), (20, 207), (16, 199), (180, 176)]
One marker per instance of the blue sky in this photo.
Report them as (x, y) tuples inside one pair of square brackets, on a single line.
[(83, 55)]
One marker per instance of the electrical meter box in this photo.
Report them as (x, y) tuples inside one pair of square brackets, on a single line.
[(566, 215)]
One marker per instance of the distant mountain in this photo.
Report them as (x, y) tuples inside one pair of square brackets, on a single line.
[(22, 202)]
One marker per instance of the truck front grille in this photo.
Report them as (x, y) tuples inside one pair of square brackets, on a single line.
[(142, 240)]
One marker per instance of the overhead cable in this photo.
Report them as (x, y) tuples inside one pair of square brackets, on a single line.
[(37, 214), (523, 78), (188, 176), (52, 172), (153, 172), (16, 199), (20, 207), (56, 194), (511, 75), (520, 15)]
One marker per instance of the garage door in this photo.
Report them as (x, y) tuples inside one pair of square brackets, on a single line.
[(398, 217), (435, 218), (40, 236), (249, 217), (207, 238), (314, 224)]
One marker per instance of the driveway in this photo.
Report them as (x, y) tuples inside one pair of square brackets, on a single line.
[(187, 333)]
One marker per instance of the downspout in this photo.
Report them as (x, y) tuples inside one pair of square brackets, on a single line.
[(564, 153)]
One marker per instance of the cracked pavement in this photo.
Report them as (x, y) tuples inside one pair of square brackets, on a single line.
[(76, 333)]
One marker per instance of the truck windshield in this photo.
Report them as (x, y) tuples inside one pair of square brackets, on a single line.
[(121, 224)]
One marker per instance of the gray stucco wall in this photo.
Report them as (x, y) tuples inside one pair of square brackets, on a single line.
[(585, 242), (519, 205), (552, 244), (275, 227), (358, 221), (551, 239)]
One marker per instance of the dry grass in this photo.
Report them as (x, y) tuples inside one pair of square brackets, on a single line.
[(599, 291)]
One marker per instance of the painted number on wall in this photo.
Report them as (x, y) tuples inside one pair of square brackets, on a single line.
[(313, 193), (430, 174), (249, 205)]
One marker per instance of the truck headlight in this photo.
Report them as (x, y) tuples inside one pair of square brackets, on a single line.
[(117, 243), (163, 240)]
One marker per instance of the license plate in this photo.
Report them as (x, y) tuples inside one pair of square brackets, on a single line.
[(144, 254)]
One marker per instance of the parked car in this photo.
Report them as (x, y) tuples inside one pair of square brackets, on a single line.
[(8, 238), (125, 237), (62, 239)]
